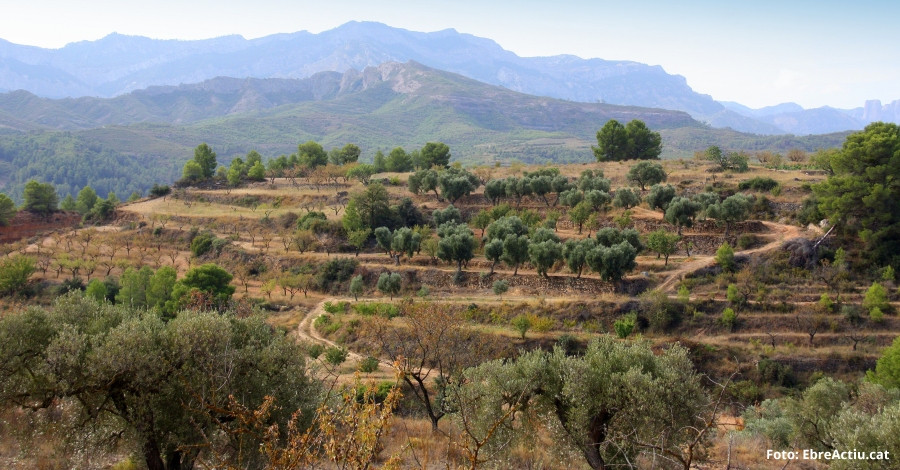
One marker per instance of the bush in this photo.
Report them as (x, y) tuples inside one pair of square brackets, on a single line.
[(522, 324), (747, 240), (659, 311), (14, 273), (625, 325), (500, 286), (825, 303), (759, 184), (876, 315), (202, 244), (369, 309), (569, 344), (725, 257), (70, 285), (335, 356), (368, 365), (728, 318), (775, 373), (315, 350), (335, 308), (876, 297), (335, 272), (322, 321), (96, 290)]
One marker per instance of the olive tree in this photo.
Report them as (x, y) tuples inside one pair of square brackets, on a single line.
[(455, 183), (389, 284), (457, 244), (626, 198), (575, 253), (646, 173), (681, 212), (544, 250), (151, 384), (733, 209), (357, 285), (660, 196), (617, 401)]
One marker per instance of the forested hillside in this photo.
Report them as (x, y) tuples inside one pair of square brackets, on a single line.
[(71, 161), (379, 108)]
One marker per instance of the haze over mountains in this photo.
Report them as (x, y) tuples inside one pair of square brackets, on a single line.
[(117, 65)]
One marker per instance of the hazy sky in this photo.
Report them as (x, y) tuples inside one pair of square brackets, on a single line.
[(758, 53)]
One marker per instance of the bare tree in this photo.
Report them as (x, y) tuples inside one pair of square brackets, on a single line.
[(433, 349)]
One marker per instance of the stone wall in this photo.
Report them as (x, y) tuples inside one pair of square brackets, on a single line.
[(28, 224)]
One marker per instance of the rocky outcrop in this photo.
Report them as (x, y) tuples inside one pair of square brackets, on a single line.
[(28, 224)]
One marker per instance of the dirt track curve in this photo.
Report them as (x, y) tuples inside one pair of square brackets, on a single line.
[(782, 232)]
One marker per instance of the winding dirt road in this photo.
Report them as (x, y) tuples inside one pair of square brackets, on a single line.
[(307, 331), (782, 233)]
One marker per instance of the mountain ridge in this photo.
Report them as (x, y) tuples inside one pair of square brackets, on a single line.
[(118, 64)]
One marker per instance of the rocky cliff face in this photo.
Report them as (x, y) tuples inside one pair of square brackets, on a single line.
[(28, 224), (874, 111)]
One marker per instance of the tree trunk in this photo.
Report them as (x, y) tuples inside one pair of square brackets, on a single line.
[(152, 456)]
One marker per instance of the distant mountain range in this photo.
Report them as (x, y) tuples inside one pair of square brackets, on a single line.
[(792, 118), (128, 142), (118, 64)]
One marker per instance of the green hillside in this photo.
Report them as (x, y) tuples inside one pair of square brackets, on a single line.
[(380, 108)]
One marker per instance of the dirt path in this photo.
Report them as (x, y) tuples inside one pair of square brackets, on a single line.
[(782, 233), (307, 331)]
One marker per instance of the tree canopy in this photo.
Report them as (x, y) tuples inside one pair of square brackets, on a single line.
[(633, 141), (862, 196), (7, 209), (646, 174), (435, 154), (206, 159), (133, 376), (40, 197)]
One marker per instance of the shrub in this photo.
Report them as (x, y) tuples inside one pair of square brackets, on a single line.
[(500, 286), (825, 303), (14, 273), (747, 240), (335, 356), (322, 321), (368, 365), (335, 272), (569, 344), (725, 257), (315, 350), (876, 297), (541, 324), (96, 290), (70, 285), (202, 244), (758, 183), (369, 309), (423, 292), (876, 315), (335, 308), (733, 295), (728, 318), (775, 373), (522, 324), (625, 325)]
